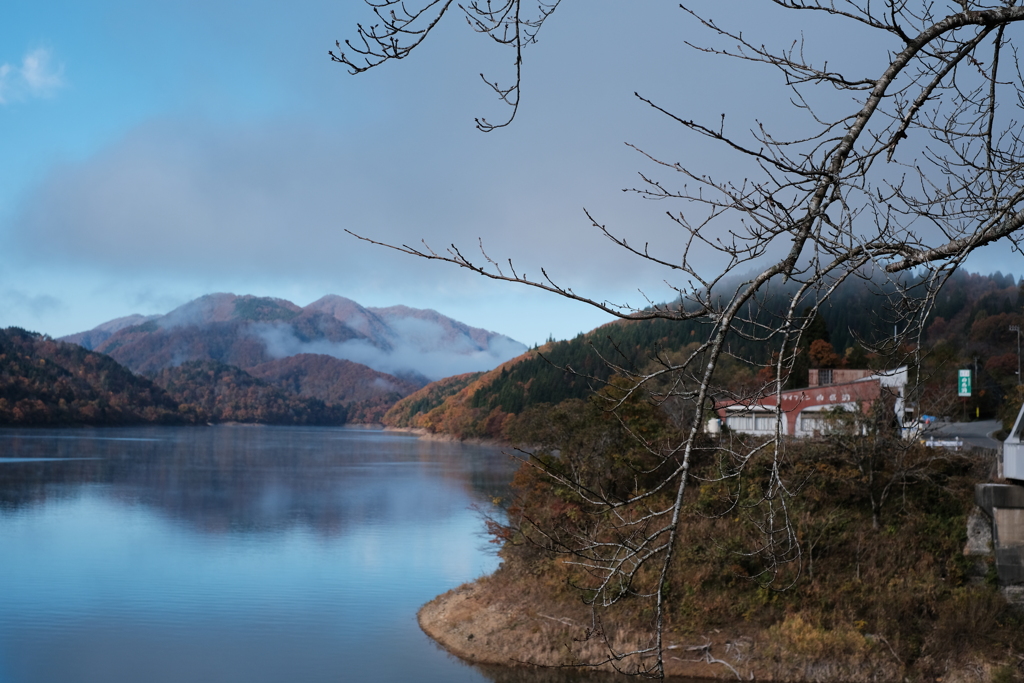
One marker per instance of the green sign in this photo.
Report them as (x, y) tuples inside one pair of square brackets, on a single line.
[(963, 384)]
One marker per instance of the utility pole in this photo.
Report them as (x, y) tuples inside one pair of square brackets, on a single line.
[(975, 380), (1016, 328)]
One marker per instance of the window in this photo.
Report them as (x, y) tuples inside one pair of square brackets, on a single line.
[(825, 376), (740, 422), (751, 423)]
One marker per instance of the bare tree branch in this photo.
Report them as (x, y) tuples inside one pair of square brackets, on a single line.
[(923, 165)]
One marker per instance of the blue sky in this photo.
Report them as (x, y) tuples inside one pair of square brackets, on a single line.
[(155, 152)]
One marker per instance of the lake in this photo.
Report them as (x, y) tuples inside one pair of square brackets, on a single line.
[(236, 553)]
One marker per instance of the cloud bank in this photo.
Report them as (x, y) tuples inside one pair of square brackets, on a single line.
[(427, 353)]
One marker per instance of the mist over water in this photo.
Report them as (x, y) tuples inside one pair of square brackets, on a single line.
[(234, 553)]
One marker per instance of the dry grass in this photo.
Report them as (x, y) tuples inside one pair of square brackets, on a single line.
[(891, 601)]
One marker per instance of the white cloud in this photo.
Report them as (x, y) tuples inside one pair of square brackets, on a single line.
[(426, 353), (40, 75), (37, 76)]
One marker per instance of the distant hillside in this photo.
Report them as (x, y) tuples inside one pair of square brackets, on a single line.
[(478, 405), (48, 383), (364, 358), (366, 393), (970, 324), (51, 383), (225, 393), (248, 330), (96, 336), (433, 407)]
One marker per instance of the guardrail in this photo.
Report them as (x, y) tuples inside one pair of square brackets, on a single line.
[(956, 444)]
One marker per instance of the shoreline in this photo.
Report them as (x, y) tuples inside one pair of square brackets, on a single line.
[(502, 622), (475, 623), (517, 618)]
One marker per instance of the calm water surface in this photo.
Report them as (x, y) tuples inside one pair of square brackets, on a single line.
[(236, 553)]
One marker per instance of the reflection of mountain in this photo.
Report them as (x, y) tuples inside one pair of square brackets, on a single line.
[(255, 479), (333, 349)]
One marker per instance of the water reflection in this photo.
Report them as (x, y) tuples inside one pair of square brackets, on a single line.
[(237, 554), (250, 479)]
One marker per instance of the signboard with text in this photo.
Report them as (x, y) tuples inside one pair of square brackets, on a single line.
[(963, 385)]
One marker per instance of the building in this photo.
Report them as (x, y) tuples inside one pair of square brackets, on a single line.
[(804, 411), (1003, 505), (1012, 465)]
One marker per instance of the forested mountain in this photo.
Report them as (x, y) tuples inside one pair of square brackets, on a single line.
[(45, 382), (245, 331), (365, 393), (333, 349), (225, 393), (969, 324)]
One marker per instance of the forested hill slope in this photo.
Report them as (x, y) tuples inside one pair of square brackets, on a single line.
[(47, 383), (365, 393), (225, 393), (970, 323), (333, 349)]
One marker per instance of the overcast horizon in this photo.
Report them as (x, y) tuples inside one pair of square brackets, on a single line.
[(156, 153)]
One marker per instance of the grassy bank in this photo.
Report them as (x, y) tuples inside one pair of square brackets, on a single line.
[(879, 588)]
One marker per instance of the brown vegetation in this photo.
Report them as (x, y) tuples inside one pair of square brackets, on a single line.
[(446, 406), (883, 591), (365, 393), (47, 383), (224, 393)]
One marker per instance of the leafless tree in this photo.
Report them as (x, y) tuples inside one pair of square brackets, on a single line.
[(923, 165)]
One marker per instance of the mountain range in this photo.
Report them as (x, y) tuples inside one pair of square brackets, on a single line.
[(252, 359), (334, 349)]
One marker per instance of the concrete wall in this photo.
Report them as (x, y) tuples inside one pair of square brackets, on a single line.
[(1004, 506)]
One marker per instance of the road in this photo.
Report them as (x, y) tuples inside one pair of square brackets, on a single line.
[(977, 434)]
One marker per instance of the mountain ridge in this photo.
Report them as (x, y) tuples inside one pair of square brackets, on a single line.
[(395, 340), (334, 349)]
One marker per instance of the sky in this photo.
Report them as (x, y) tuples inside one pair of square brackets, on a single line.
[(156, 152)]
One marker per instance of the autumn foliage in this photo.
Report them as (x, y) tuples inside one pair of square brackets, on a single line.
[(44, 382), (225, 393), (897, 598), (49, 383)]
